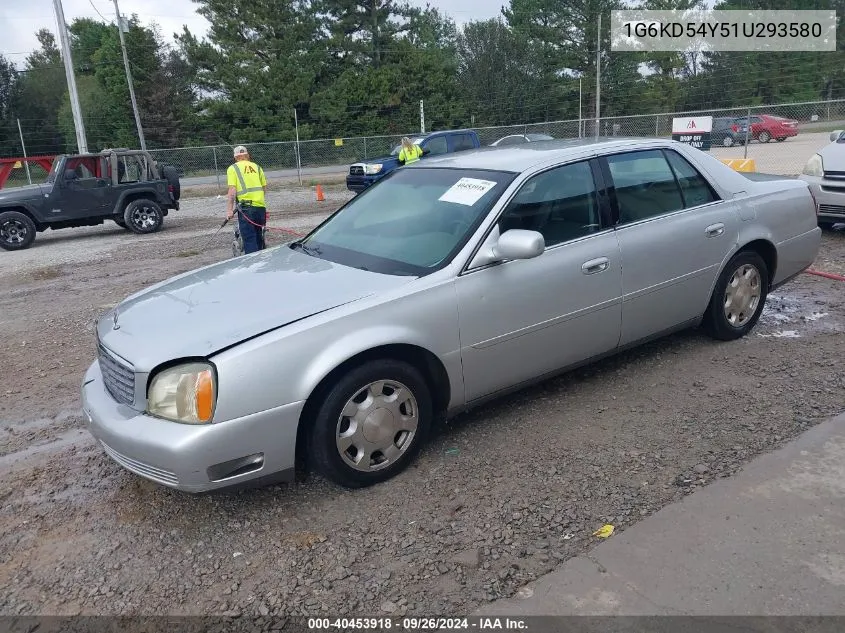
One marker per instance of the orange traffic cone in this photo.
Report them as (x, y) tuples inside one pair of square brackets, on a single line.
[(320, 196)]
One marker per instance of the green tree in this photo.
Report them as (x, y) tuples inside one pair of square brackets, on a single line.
[(9, 87), (259, 62), (42, 92)]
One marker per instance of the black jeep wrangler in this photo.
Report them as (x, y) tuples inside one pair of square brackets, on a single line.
[(126, 186)]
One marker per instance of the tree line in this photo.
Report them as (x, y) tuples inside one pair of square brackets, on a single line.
[(361, 67)]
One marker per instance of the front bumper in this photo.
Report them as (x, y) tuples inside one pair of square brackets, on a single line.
[(192, 458), (358, 183), (830, 197)]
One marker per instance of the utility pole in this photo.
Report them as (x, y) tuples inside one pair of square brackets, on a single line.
[(422, 118), (81, 143), (598, 75), (129, 78)]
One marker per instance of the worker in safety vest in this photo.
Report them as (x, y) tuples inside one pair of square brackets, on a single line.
[(409, 153), (247, 186)]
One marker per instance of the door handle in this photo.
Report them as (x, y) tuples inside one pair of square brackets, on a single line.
[(595, 266), (715, 230)]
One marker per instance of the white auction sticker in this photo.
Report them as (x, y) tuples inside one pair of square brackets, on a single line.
[(467, 191)]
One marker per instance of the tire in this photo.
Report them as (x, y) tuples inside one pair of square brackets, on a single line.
[(764, 137), (727, 141), (716, 321), (324, 446), (17, 231), (826, 226), (171, 174), (143, 216)]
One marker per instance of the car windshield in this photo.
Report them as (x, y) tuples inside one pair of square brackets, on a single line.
[(58, 160), (412, 222), (398, 148)]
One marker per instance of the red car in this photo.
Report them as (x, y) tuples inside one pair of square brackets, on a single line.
[(765, 127)]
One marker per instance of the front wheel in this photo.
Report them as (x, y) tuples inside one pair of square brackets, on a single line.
[(17, 231), (371, 424), (143, 216), (739, 297)]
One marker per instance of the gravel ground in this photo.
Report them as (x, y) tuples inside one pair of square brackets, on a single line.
[(499, 497)]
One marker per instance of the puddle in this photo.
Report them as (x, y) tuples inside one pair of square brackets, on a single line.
[(797, 314), (783, 334)]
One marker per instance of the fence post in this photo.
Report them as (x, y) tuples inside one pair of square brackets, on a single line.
[(747, 131), (365, 148), (656, 125), (23, 147), (216, 171), (298, 164)]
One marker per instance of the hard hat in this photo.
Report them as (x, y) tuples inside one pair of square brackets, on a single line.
[(240, 150)]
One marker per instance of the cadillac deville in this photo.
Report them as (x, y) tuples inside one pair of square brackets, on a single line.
[(449, 282)]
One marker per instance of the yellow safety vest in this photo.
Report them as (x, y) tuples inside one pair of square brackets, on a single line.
[(409, 157), (248, 180)]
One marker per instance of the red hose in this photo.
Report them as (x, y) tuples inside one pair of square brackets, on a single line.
[(271, 228), (810, 271)]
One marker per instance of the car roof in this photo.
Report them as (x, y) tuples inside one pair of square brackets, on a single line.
[(519, 158)]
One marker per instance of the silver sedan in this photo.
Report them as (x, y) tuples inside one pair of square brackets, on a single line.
[(448, 283)]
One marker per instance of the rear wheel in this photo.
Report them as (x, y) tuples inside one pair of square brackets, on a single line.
[(764, 137), (727, 141), (371, 423), (143, 216), (17, 231), (739, 297)]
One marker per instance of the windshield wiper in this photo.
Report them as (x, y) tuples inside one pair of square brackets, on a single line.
[(309, 250)]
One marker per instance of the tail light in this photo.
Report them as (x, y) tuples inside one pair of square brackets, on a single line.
[(735, 127)]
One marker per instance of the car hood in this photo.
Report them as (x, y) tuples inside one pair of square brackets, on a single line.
[(22, 193), (203, 311), (833, 157), (384, 160)]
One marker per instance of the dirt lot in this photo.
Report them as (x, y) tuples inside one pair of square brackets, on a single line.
[(501, 496)]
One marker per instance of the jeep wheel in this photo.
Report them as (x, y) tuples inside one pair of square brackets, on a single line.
[(17, 231), (172, 176), (143, 216)]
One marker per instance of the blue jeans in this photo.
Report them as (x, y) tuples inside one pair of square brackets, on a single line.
[(252, 236)]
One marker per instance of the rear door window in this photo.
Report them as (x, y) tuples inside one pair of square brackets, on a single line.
[(645, 185), (462, 142)]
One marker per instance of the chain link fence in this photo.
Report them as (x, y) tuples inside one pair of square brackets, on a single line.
[(780, 140)]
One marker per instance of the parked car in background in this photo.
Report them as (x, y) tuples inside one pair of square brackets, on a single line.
[(122, 185), (725, 132), (364, 174), (765, 127), (519, 139), (449, 282), (825, 174)]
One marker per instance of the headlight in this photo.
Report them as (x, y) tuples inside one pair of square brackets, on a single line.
[(814, 166), (185, 393), (372, 169)]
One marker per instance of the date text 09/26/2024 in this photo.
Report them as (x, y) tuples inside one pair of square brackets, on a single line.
[(417, 624)]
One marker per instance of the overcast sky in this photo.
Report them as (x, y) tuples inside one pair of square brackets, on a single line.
[(20, 19)]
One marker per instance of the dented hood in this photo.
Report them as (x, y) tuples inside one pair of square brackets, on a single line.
[(203, 311)]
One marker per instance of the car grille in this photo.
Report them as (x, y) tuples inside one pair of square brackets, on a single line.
[(835, 175), (832, 208), (356, 170), (118, 378), (139, 468)]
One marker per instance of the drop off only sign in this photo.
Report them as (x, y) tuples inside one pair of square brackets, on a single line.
[(693, 131)]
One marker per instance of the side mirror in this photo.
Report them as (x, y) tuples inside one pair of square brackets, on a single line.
[(834, 136), (519, 244)]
